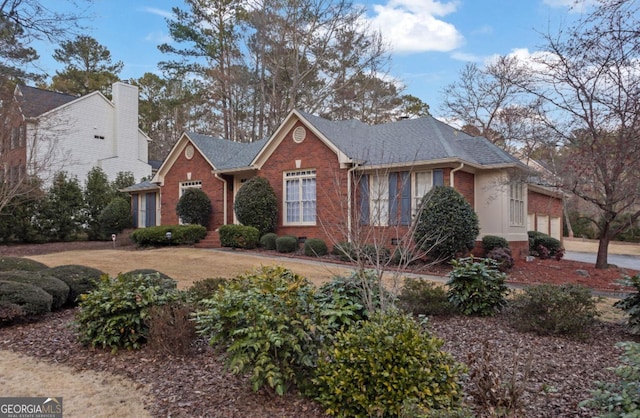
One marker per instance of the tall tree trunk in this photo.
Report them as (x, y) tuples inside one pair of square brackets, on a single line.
[(603, 248)]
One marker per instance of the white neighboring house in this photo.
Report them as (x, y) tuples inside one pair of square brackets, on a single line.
[(75, 134)]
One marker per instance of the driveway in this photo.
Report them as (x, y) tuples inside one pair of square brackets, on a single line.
[(620, 260)]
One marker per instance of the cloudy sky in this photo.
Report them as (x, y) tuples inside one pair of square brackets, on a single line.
[(430, 40)]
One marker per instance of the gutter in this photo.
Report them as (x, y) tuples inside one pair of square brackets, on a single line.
[(224, 193)]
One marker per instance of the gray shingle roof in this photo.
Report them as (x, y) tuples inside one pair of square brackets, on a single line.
[(225, 154), (408, 141), (34, 101), (145, 185)]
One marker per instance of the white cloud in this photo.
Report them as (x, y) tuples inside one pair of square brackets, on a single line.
[(158, 37), (414, 25), (159, 12), (575, 6), (464, 56)]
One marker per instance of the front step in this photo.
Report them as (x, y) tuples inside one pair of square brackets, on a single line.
[(211, 240)]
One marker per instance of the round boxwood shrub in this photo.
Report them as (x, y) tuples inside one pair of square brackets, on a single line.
[(489, 242), (268, 241), (315, 247), (32, 299), (20, 263), (115, 217), (194, 207), (10, 312), (446, 224), (287, 244), (373, 368), (58, 289), (256, 205), (157, 277), (80, 279)]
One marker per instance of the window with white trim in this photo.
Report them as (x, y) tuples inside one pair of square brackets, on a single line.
[(422, 183), (379, 199), (516, 204), (300, 197)]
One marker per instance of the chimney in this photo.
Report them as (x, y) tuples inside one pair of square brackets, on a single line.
[(125, 101)]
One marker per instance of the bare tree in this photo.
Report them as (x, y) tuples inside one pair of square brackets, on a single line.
[(588, 81)]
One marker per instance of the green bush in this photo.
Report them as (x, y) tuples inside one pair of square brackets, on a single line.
[(422, 297), (157, 235), (238, 236), (204, 289), (567, 309), (80, 279), (31, 299), (270, 325), (344, 301), (114, 314), (631, 304), (10, 312), (287, 244), (503, 257), (315, 247), (489, 242), (538, 239), (256, 205), (344, 250), (194, 207), (622, 397), (477, 287), (373, 368), (446, 224), (268, 241), (115, 217), (156, 277), (58, 289), (20, 263)]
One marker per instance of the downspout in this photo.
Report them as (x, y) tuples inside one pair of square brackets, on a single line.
[(451, 175), (349, 202), (224, 201)]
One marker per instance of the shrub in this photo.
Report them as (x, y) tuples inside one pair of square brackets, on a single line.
[(503, 257), (371, 369), (567, 309), (489, 242), (477, 287), (114, 314), (344, 250), (550, 245), (270, 325), (204, 289), (155, 277), (446, 224), (421, 297), (238, 236), (31, 299), (315, 247), (80, 279), (268, 241), (20, 263), (10, 312), (115, 217), (194, 207), (58, 289), (287, 244), (622, 397), (631, 304), (171, 330), (157, 235), (256, 205), (344, 301)]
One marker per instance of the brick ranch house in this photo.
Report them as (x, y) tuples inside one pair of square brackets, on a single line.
[(335, 176)]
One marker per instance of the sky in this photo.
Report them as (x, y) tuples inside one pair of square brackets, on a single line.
[(430, 41)]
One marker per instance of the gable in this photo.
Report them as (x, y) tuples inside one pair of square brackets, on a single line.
[(179, 151)]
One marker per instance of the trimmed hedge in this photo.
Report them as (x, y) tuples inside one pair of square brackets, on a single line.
[(287, 244), (80, 279), (20, 263), (157, 235), (489, 242), (32, 299), (58, 289), (268, 241), (315, 247), (156, 277), (538, 240), (194, 207), (238, 236)]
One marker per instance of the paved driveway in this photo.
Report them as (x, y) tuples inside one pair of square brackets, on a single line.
[(625, 261)]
